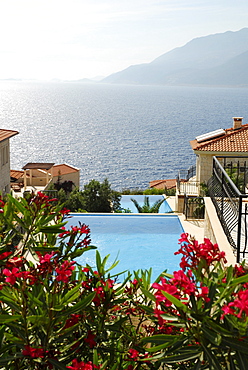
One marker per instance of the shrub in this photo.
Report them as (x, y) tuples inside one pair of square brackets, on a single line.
[(56, 314)]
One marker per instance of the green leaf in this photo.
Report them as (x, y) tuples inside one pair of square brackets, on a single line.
[(9, 318), (95, 357), (176, 301), (212, 358), (240, 280), (54, 229), (159, 347), (213, 337), (98, 262), (160, 338), (79, 306), (7, 359), (71, 295), (57, 365), (38, 319), (235, 344), (181, 357), (148, 294), (242, 361), (218, 328), (18, 205)]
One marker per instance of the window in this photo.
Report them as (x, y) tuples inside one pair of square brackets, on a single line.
[(4, 155)]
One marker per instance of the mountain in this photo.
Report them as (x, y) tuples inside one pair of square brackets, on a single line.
[(220, 59)]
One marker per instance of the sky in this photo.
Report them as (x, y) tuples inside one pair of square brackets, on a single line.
[(76, 39)]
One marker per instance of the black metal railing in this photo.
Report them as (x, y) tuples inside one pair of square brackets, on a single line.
[(237, 170), (231, 207), (187, 174), (183, 183), (194, 207)]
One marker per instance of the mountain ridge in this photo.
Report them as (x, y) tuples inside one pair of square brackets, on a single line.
[(206, 60)]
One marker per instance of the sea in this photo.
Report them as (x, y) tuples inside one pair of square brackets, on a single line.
[(128, 134)]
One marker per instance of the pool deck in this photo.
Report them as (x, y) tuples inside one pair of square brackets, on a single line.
[(195, 228)]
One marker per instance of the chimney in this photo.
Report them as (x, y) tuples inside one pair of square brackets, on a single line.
[(237, 122)]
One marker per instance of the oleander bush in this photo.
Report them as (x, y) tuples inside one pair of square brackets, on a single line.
[(57, 314)]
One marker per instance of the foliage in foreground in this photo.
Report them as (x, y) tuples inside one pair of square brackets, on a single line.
[(56, 314)]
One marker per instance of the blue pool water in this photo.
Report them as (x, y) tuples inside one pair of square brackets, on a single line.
[(126, 202), (137, 241)]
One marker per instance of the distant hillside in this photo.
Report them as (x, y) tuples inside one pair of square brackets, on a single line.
[(220, 59)]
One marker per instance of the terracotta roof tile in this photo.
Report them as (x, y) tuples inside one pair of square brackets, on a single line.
[(63, 169), (161, 184), (16, 174), (232, 141), (6, 134), (38, 166)]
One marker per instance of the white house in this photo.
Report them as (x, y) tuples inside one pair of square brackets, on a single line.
[(228, 142)]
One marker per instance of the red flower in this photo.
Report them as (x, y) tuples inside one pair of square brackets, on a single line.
[(90, 339), (11, 275), (33, 352), (65, 232), (183, 282), (82, 365), (204, 293), (241, 303), (4, 255), (64, 271), (193, 252), (100, 294), (166, 287), (73, 320), (14, 262), (133, 354)]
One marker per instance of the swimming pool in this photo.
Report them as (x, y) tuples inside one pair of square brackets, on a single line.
[(137, 241), (126, 202)]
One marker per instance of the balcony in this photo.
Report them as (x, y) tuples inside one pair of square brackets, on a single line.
[(186, 182), (228, 191)]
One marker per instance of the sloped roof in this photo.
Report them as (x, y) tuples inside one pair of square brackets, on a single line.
[(6, 134), (161, 184), (63, 169), (234, 140), (38, 166), (15, 174)]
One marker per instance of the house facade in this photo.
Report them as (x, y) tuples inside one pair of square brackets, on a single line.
[(38, 176), (5, 135), (228, 142)]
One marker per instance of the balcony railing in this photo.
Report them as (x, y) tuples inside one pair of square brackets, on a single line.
[(186, 183), (231, 207)]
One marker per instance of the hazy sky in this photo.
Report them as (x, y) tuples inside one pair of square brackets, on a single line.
[(73, 39)]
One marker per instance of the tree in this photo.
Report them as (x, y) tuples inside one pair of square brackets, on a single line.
[(99, 197), (146, 208)]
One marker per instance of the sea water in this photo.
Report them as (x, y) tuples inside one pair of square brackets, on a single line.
[(128, 134)]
